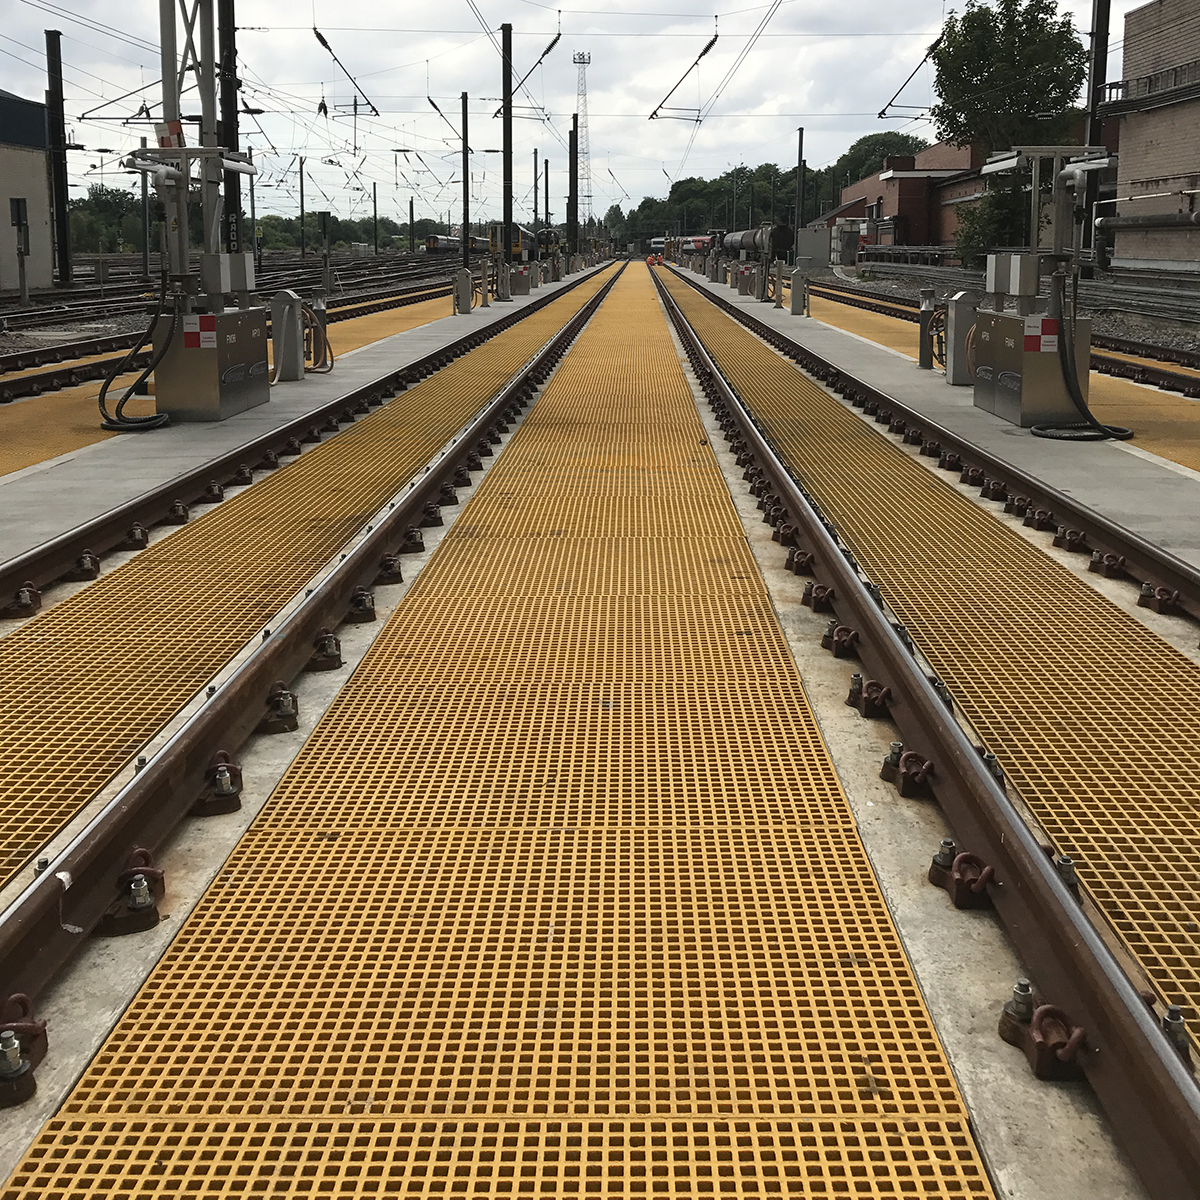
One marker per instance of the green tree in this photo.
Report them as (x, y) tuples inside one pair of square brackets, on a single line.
[(1007, 74), (866, 156)]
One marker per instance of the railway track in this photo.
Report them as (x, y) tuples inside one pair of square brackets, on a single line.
[(580, 948), (1097, 295), (879, 530), (1137, 361), (397, 468), (563, 891), (72, 371), (126, 297)]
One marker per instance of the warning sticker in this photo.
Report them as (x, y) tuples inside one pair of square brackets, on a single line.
[(200, 331), (1041, 335)]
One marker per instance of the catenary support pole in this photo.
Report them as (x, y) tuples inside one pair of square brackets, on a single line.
[(303, 245), (56, 120), (465, 238), (799, 191), (412, 228), (507, 117), (145, 222), (254, 241), (375, 215), (536, 252), (1097, 78), (573, 187), (227, 74)]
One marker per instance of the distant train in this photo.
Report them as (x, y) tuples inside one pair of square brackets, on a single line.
[(522, 241), (775, 239), (441, 243)]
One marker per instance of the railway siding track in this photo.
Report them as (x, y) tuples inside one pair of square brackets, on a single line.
[(999, 636), (70, 373), (1166, 583), (1135, 361), (88, 681)]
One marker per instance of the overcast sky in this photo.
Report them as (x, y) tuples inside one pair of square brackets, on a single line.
[(828, 65)]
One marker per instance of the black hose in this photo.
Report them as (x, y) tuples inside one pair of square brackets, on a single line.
[(117, 421), (1089, 429)]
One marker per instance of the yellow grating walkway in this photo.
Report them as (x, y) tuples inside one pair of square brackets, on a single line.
[(560, 898), (1095, 718), (91, 679)]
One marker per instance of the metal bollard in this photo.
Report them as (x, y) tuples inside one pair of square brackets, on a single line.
[(925, 350), (287, 336)]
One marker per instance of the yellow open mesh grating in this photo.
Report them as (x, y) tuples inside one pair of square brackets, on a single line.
[(91, 679), (1095, 718), (562, 895)]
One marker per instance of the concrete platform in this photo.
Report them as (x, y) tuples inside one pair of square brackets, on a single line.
[(1155, 498), (42, 501)]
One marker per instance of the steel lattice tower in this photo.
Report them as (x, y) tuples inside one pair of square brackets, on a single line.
[(581, 59)]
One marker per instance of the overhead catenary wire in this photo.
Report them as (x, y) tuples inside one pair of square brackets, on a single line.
[(708, 46)]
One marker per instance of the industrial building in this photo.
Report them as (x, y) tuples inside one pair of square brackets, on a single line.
[(25, 178), (1158, 105)]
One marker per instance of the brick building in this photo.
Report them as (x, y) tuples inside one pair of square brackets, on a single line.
[(911, 200), (1158, 104), (25, 175)]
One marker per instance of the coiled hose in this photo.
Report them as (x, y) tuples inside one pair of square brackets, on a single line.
[(316, 345), (116, 421), (1089, 429)]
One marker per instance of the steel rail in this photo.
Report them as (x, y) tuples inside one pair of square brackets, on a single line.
[(1142, 1082), (46, 922), (53, 559), (1144, 563)]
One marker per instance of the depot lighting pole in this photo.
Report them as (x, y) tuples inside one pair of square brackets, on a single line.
[(466, 170), (506, 94)]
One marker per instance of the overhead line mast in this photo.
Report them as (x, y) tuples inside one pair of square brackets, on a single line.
[(582, 59)]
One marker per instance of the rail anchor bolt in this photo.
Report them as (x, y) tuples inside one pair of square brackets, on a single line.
[(26, 601), (840, 640), (1065, 866), (1049, 1039), (327, 652), (1160, 599), (139, 890), (946, 854), (1175, 1027), (222, 789), (362, 607), (910, 772), (414, 541), (389, 570), (870, 697), (17, 1083), (177, 514), (966, 878), (282, 715), (87, 566)]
